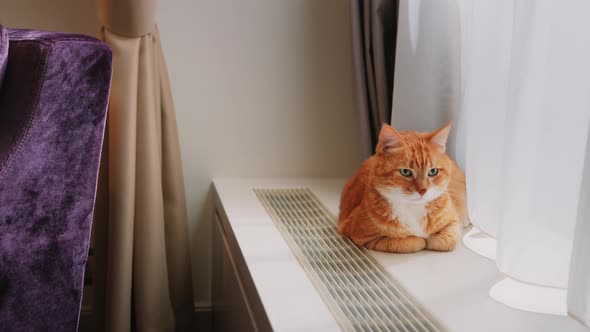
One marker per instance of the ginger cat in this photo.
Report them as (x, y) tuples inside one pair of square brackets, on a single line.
[(409, 196)]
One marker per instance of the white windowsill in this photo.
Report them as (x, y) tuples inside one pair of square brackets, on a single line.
[(453, 286)]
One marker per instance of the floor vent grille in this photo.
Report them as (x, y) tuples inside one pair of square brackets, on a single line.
[(361, 294)]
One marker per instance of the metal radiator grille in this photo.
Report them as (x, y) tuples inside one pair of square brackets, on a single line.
[(361, 294)]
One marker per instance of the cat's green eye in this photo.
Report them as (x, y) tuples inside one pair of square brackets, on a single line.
[(433, 172), (405, 172)]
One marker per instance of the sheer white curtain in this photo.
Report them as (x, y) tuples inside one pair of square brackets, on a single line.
[(514, 76)]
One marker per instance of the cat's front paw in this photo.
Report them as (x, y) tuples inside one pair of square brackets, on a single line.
[(398, 245), (441, 242), (413, 244)]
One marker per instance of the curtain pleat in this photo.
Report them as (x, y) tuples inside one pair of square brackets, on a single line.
[(374, 30), (177, 246), (143, 279), (578, 296)]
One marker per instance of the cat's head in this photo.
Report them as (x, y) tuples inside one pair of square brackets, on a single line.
[(411, 166)]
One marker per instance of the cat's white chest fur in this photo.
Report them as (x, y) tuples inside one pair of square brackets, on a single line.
[(410, 214)]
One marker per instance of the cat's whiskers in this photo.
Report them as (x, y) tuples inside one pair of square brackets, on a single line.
[(368, 185)]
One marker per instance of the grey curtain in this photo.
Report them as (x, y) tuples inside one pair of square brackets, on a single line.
[(374, 32)]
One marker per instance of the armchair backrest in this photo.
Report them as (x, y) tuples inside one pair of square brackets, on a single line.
[(53, 104)]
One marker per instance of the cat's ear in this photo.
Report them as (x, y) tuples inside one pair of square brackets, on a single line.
[(389, 139), (438, 139)]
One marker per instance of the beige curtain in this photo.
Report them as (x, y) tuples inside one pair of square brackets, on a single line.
[(142, 277)]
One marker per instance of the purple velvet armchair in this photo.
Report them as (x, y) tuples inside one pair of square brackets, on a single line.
[(53, 103)]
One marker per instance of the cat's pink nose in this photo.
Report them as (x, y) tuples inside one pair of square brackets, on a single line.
[(421, 191)]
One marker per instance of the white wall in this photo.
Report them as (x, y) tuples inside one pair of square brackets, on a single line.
[(261, 88)]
